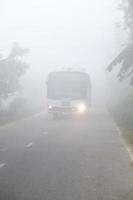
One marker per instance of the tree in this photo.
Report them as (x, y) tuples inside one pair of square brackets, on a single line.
[(12, 68), (125, 57)]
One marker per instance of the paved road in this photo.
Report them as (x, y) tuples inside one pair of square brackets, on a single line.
[(66, 159)]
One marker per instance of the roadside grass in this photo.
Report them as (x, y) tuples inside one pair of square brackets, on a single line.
[(126, 130), (122, 114), (127, 134), (6, 118)]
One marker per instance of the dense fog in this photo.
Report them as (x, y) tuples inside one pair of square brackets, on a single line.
[(61, 34), (66, 99)]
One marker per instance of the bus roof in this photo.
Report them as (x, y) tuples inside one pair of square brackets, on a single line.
[(70, 69)]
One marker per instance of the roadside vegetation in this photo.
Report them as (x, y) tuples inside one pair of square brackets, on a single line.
[(122, 111), (12, 69)]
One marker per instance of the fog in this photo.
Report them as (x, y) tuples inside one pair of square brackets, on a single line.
[(66, 135), (60, 34)]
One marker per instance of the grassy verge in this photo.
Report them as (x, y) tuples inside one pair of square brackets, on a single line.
[(14, 116), (128, 135), (124, 120)]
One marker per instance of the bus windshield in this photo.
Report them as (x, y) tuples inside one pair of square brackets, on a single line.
[(67, 85)]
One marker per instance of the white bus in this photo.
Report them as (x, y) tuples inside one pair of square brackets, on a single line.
[(68, 92)]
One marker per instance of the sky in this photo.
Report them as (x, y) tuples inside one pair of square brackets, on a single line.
[(60, 33)]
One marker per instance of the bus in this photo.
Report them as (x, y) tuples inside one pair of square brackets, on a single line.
[(68, 92)]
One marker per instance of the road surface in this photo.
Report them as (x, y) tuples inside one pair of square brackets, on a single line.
[(66, 159)]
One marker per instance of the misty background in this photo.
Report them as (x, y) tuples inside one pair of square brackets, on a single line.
[(62, 33)]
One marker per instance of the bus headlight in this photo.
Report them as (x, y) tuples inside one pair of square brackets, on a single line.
[(82, 108), (50, 106)]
